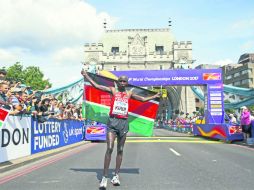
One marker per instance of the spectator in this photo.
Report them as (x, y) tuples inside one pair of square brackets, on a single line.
[(4, 102), (252, 116), (44, 107), (60, 110), (3, 74), (68, 111), (246, 122), (53, 109), (34, 108), (14, 100), (23, 101), (232, 118), (43, 113)]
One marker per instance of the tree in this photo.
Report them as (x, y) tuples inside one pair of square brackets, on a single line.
[(34, 77), (30, 76), (15, 72)]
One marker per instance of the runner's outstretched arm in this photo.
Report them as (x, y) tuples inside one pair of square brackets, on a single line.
[(144, 99), (101, 87)]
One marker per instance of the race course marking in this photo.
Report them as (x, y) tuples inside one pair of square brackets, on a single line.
[(176, 153), (173, 141), (170, 139)]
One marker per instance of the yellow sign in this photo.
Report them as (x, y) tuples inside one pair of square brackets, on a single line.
[(161, 90), (216, 105)]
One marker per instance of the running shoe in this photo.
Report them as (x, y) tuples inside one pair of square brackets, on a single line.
[(115, 180), (103, 183)]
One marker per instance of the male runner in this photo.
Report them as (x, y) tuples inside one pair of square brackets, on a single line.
[(117, 125)]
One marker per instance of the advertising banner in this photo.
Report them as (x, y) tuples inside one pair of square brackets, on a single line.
[(15, 138), (212, 78), (172, 77), (96, 132), (215, 103), (55, 133), (222, 131)]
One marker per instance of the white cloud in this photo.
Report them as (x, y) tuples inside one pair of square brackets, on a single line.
[(49, 34), (7, 57), (47, 24), (67, 55)]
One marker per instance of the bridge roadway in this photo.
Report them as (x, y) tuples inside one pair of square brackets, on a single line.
[(162, 162)]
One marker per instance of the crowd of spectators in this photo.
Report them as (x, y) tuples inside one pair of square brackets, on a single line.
[(20, 99), (246, 119)]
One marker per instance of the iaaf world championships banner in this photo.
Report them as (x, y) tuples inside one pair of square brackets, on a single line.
[(211, 78), (172, 77)]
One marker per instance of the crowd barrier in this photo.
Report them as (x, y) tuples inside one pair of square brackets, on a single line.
[(22, 136), (181, 128)]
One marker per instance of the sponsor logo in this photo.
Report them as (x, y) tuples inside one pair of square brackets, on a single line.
[(95, 130), (216, 109), (65, 134), (46, 135), (211, 76), (216, 106), (215, 87), (215, 94), (216, 113), (215, 98), (235, 129)]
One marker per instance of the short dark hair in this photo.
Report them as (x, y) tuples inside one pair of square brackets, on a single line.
[(3, 72), (123, 77)]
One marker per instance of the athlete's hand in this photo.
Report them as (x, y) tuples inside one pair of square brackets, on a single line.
[(84, 73), (158, 95)]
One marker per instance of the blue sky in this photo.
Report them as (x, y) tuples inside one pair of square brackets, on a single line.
[(51, 34), (220, 30)]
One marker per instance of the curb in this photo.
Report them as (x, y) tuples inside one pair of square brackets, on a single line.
[(13, 164)]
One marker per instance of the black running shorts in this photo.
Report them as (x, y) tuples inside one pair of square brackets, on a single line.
[(118, 126)]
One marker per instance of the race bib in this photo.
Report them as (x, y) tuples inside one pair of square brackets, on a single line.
[(120, 108)]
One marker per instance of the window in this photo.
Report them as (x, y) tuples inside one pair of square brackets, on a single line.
[(159, 49), (115, 50), (229, 77), (246, 71), (114, 68), (161, 67), (236, 74), (246, 81), (237, 83)]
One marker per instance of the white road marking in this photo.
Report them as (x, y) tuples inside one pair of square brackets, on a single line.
[(176, 153)]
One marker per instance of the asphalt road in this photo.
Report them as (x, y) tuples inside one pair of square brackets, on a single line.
[(156, 163)]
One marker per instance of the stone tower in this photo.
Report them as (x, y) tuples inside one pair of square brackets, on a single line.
[(145, 49)]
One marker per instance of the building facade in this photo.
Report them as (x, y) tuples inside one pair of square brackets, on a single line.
[(241, 74), (146, 49)]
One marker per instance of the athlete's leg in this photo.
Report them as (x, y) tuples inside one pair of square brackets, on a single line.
[(119, 157), (110, 147)]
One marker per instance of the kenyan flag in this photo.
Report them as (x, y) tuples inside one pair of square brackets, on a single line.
[(3, 115), (141, 114)]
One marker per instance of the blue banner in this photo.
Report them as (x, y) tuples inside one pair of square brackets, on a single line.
[(54, 133), (172, 77)]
